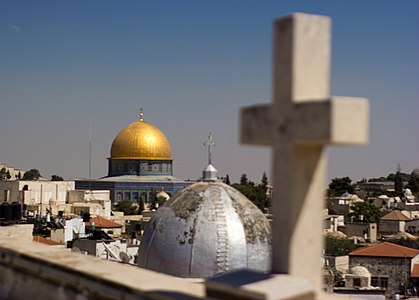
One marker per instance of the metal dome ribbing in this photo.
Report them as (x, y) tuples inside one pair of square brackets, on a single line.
[(207, 229)]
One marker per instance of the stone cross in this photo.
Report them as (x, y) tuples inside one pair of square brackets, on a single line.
[(210, 144), (298, 124)]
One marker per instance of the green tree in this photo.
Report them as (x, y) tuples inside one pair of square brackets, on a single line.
[(8, 176), (413, 183), (391, 177), (264, 182), (255, 193), (126, 206), (56, 178), (243, 179), (227, 180), (338, 247), (369, 212), (398, 183), (19, 175), (3, 173), (339, 186), (141, 206), (379, 179), (32, 174)]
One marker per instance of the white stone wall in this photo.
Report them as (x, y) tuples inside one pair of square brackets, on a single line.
[(57, 235), (412, 226), (23, 231), (95, 202), (74, 228), (36, 192)]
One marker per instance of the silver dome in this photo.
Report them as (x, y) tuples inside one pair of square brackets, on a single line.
[(207, 229)]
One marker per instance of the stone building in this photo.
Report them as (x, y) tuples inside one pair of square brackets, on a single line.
[(341, 205), (390, 265), (110, 227), (364, 230), (376, 186), (38, 195), (412, 226), (14, 173), (44, 196), (393, 222), (139, 166)]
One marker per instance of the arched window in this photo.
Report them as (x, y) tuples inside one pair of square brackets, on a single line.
[(119, 196)]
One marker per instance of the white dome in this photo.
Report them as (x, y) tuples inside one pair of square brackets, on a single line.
[(164, 195), (208, 228), (360, 271)]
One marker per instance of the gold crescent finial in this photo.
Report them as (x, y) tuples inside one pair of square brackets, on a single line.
[(141, 114)]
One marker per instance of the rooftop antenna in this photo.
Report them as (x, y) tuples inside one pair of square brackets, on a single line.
[(90, 155)]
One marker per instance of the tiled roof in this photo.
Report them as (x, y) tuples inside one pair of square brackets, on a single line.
[(43, 240), (395, 215), (385, 249), (103, 222), (415, 271)]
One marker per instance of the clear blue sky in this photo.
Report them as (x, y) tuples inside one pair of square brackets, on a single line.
[(191, 65)]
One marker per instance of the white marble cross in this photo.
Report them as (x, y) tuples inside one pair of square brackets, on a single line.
[(211, 145), (298, 124)]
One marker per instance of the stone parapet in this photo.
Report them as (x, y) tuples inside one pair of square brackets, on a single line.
[(29, 270)]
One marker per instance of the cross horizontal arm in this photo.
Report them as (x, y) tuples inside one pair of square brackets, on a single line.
[(256, 125), (342, 120)]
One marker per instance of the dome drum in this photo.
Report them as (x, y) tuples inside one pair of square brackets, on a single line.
[(119, 167)]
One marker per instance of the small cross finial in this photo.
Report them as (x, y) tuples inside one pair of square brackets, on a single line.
[(210, 144), (141, 114)]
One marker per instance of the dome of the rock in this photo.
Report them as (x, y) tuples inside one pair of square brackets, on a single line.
[(141, 140), (209, 228), (140, 164)]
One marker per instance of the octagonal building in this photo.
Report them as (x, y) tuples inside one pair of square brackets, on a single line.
[(139, 166)]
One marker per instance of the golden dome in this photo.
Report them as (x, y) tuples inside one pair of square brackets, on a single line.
[(141, 140)]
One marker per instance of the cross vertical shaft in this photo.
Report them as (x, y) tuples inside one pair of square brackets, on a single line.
[(210, 144), (301, 73)]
